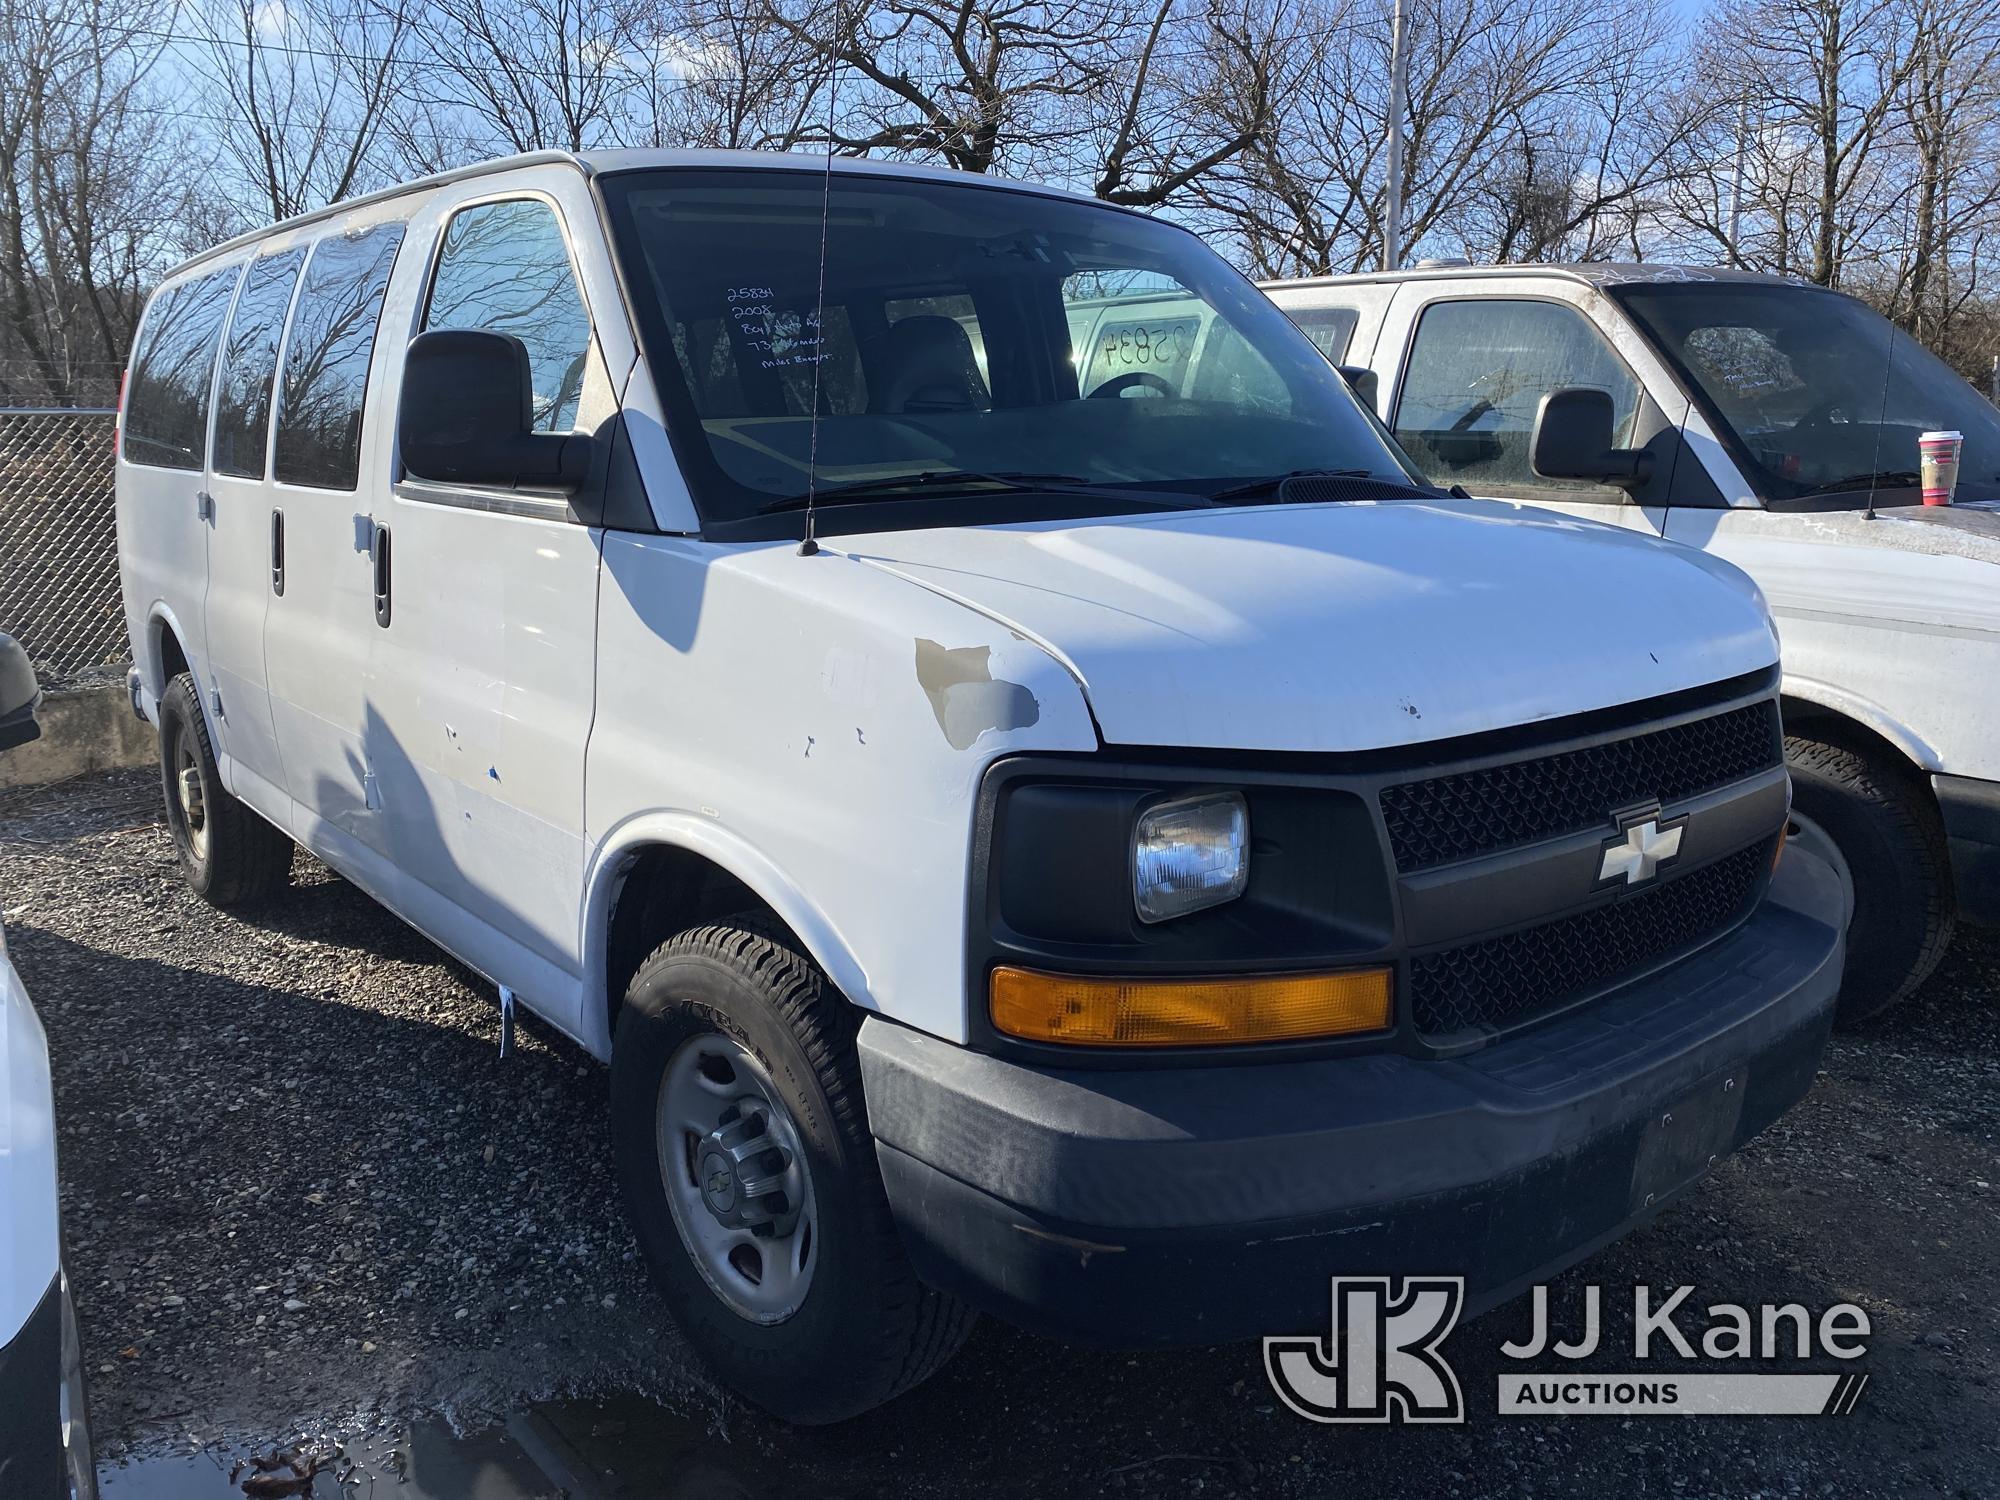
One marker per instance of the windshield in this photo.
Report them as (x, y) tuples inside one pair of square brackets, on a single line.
[(969, 338), (1794, 378)]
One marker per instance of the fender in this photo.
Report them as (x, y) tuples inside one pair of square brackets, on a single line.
[(729, 851), (160, 619), (1868, 714)]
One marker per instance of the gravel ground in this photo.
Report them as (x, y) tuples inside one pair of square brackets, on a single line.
[(303, 1195)]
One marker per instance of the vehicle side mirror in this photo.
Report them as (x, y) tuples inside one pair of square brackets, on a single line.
[(466, 415), (1362, 381), (20, 695), (1573, 441)]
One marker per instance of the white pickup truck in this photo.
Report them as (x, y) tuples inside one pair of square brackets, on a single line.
[(1773, 423), (807, 632)]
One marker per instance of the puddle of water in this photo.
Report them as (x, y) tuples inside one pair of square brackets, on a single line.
[(557, 1450)]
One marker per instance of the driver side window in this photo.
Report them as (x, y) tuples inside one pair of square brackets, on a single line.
[(1476, 375), (504, 268)]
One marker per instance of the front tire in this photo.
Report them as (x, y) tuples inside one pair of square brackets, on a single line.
[(1887, 833), (750, 1178), (229, 855)]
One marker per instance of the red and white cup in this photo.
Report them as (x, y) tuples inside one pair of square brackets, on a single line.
[(1938, 454)]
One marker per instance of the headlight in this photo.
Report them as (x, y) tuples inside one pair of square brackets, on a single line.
[(1189, 854)]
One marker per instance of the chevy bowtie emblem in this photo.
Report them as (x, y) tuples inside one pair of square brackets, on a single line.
[(1637, 854)]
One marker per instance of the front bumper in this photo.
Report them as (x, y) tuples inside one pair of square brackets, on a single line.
[(1205, 1204), (1971, 811)]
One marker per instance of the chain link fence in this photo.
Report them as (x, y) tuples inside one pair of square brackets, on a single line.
[(59, 540)]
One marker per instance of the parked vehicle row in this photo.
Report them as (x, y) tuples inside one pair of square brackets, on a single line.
[(45, 1450), (1774, 424), (944, 688)]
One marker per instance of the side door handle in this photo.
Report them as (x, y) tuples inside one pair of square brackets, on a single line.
[(278, 552), (378, 556), (204, 505)]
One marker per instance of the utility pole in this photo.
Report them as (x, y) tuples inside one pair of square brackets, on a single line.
[(1399, 92), (1736, 181)]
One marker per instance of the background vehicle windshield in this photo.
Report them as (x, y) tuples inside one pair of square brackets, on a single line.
[(1795, 376), (963, 328)]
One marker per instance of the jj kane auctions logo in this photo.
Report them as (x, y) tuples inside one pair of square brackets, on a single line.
[(1382, 1359)]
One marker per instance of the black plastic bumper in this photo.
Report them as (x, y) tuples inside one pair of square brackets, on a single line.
[(31, 1456), (1202, 1205), (1971, 812)]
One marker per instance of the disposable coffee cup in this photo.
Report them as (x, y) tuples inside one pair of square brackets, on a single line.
[(1938, 453)]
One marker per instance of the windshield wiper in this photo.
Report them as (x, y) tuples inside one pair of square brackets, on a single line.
[(1887, 479), (1007, 480), (1269, 484)]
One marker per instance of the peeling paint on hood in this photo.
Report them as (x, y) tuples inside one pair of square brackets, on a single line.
[(1314, 627)]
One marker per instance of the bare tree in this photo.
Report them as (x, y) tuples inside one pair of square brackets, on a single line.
[(523, 75), (93, 199), (721, 73), (308, 89), (1823, 77)]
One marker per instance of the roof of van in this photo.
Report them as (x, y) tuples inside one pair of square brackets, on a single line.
[(1596, 273), (592, 163)]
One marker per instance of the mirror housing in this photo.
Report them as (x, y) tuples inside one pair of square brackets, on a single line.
[(465, 416), (20, 695), (1573, 441), (1362, 381)]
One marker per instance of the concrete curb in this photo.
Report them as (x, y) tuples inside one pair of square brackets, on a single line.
[(83, 730)]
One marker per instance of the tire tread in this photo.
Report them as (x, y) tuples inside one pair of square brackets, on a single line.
[(922, 1327)]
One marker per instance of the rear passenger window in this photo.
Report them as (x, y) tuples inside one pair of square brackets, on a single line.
[(1330, 328), (504, 268), (1477, 373), (166, 401), (327, 356), (250, 365)]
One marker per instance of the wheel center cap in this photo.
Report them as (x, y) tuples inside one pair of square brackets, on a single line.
[(718, 1183)]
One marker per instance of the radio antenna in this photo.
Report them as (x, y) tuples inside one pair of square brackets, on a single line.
[(1881, 420), (810, 545)]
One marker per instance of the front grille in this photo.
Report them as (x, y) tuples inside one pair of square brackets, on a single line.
[(1506, 979), (1447, 818)]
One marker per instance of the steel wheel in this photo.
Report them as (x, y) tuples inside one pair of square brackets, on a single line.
[(193, 805), (736, 1180)]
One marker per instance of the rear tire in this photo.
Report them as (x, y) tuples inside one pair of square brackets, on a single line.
[(1888, 831), (853, 1326), (229, 855)]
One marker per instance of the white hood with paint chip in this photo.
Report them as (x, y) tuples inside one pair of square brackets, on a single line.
[(1346, 627)]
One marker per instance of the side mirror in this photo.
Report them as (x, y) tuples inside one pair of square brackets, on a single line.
[(1362, 381), (20, 695), (1573, 441), (465, 416)]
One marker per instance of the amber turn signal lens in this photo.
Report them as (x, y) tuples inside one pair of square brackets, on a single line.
[(1095, 1012)]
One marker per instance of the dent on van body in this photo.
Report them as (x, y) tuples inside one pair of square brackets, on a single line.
[(765, 710)]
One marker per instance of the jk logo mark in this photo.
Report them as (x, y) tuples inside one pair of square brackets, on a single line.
[(1381, 1363)]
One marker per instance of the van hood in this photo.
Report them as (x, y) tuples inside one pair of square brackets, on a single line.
[(1345, 627)]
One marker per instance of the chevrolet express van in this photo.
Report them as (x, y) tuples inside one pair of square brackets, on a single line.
[(1094, 839), (1772, 423)]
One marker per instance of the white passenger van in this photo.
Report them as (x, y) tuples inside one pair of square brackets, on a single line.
[(1772, 423), (1088, 836)]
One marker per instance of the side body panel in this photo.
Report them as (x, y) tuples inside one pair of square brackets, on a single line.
[(163, 540), (319, 633), (477, 698), (1901, 640), (818, 727), (240, 584)]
